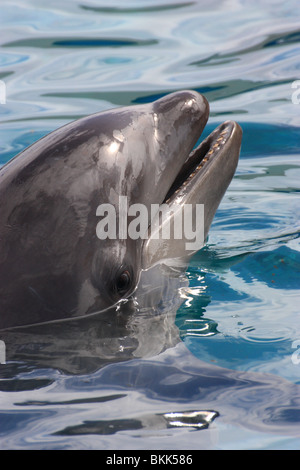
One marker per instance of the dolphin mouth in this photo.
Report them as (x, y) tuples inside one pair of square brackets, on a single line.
[(201, 181), (200, 159)]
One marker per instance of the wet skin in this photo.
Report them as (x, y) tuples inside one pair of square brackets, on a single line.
[(52, 264)]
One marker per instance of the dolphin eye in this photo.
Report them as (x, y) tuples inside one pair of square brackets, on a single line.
[(123, 282)]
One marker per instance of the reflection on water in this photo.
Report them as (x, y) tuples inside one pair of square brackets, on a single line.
[(154, 403), (189, 419), (183, 358), (143, 326)]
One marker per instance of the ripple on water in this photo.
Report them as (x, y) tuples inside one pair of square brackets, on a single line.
[(63, 60), (267, 333)]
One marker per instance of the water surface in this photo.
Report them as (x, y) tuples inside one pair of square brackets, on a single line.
[(231, 352)]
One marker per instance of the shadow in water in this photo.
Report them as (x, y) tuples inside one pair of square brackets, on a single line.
[(136, 349), (143, 326)]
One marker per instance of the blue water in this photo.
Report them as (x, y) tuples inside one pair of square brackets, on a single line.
[(237, 352)]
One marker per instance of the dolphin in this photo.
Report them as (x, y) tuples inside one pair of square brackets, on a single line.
[(53, 266)]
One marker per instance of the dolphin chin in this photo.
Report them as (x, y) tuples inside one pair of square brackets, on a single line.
[(53, 264)]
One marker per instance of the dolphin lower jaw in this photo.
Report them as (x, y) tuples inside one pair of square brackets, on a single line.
[(202, 181)]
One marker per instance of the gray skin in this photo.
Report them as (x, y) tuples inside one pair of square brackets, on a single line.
[(52, 264)]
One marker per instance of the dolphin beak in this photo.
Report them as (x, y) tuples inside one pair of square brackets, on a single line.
[(202, 181), (178, 122)]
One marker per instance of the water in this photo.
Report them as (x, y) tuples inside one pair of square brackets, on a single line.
[(235, 360)]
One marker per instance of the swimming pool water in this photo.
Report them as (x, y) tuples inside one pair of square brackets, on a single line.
[(238, 347)]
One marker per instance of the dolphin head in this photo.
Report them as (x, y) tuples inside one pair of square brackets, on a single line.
[(66, 247)]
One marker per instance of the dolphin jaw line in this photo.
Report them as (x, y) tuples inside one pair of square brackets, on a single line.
[(199, 158)]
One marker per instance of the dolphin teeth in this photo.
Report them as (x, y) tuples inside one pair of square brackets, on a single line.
[(204, 152)]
